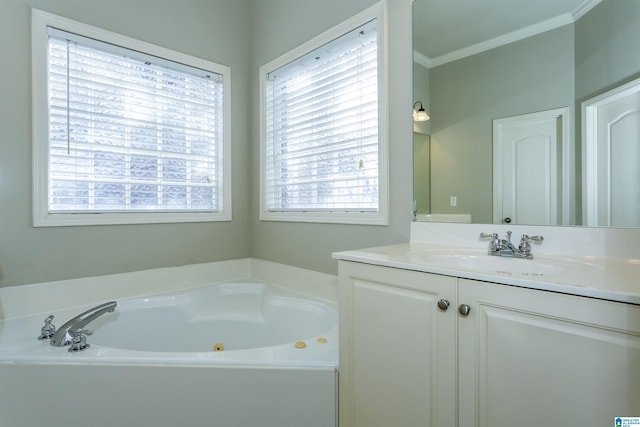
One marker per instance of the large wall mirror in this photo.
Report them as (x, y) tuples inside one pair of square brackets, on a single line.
[(506, 84)]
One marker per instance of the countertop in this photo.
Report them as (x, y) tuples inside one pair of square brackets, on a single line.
[(614, 279)]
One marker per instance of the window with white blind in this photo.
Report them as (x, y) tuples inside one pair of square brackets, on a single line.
[(323, 136), (125, 131)]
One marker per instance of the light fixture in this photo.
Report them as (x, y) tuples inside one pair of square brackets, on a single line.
[(420, 115)]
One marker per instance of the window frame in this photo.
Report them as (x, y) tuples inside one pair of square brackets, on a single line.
[(40, 20), (379, 217)]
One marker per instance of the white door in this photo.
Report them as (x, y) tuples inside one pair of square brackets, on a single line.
[(612, 156), (528, 160)]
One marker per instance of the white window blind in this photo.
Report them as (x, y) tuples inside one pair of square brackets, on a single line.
[(321, 128), (130, 132)]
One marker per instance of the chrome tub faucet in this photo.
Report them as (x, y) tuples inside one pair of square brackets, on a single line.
[(72, 332)]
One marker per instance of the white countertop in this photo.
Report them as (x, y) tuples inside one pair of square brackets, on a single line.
[(609, 278)]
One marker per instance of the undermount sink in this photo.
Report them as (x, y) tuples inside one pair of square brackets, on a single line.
[(476, 260)]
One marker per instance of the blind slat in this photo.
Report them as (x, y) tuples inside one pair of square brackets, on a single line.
[(132, 92)]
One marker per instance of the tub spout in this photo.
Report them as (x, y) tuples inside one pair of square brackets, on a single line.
[(66, 332)]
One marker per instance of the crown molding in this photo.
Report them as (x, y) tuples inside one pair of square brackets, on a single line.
[(523, 33), (421, 59), (583, 8)]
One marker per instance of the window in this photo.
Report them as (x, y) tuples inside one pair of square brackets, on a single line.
[(323, 140), (124, 131)]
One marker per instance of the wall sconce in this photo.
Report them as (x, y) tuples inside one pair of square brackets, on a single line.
[(420, 115)]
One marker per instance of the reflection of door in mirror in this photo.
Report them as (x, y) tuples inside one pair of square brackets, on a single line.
[(527, 167), (421, 175), (612, 156)]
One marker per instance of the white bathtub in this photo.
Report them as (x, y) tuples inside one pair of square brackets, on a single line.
[(256, 324), (152, 362)]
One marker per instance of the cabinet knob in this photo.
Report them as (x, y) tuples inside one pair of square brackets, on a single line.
[(443, 304), (464, 309)]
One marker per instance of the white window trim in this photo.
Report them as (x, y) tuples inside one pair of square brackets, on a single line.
[(41, 217), (381, 217)]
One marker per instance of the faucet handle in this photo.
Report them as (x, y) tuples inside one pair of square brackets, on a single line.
[(495, 244), (79, 341), (492, 236), (48, 329), (526, 238), (525, 247)]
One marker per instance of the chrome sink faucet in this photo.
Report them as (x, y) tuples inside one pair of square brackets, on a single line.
[(74, 328), (504, 247)]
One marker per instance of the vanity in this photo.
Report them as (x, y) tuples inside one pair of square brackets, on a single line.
[(436, 332)]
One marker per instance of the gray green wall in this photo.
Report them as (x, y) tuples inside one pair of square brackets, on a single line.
[(606, 53), (242, 34), (421, 175)]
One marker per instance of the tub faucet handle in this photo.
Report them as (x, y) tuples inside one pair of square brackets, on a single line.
[(48, 329), (79, 341)]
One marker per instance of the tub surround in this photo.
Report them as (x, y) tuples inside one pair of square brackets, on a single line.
[(41, 298), (593, 262)]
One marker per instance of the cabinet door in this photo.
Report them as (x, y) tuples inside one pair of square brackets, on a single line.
[(534, 358), (397, 349)]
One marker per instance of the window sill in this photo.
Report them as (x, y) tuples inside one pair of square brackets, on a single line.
[(82, 219), (334, 217)]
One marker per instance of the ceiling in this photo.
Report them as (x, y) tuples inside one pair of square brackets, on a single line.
[(445, 30)]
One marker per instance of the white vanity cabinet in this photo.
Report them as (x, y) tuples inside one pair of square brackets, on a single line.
[(519, 357), (397, 347)]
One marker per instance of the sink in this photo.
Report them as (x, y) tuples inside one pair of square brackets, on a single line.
[(477, 260)]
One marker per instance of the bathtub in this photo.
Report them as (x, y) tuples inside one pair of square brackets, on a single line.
[(239, 353)]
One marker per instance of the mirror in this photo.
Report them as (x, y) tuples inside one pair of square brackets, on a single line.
[(484, 70)]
